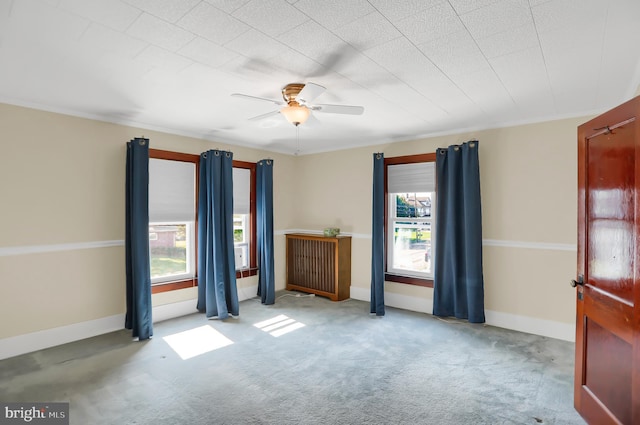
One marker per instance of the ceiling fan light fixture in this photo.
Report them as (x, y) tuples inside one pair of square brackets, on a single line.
[(295, 114)]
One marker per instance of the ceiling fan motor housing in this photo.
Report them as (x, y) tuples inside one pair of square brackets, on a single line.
[(291, 91), (297, 97)]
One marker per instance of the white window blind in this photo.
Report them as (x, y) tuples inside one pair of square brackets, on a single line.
[(241, 190), (172, 191), (411, 178)]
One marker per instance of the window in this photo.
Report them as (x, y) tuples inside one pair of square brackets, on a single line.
[(172, 219), (242, 215), (244, 218), (410, 218), (173, 188)]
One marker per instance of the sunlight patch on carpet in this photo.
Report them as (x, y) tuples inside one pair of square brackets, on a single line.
[(192, 343), (279, 325)]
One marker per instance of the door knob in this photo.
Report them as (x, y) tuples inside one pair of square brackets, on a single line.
[(575, 283)]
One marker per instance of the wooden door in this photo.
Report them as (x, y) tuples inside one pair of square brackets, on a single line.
[(607, 370)]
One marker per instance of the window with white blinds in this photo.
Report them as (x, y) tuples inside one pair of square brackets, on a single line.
[(241, 190), (407, 178), (410, 218), (172, 191), (241, 215), (173, 180), (172, 213)]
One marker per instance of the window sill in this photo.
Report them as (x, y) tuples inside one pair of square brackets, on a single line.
[(246, 273), (157, 288), (409, 280)]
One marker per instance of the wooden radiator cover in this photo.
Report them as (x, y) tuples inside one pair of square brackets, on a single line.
[(319, 265)]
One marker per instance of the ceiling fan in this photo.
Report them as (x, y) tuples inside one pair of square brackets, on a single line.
[(297, 106)]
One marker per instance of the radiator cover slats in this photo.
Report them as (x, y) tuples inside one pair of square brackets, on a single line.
[(319, 265)]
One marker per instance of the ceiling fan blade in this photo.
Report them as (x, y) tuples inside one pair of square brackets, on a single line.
[(261, 99), (312, 122), (335, 60), (309, 92), (263, 116), (338, 109)]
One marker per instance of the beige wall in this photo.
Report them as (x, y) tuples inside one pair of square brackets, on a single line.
[(63, 183), (528, 184)]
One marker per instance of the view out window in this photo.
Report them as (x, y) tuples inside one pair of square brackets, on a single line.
[(170, 249), (410, 220)]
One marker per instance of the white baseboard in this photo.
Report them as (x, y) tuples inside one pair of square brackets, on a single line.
[(173, 310), (22, 344), (532, 325), (183, 308), (404, 302), (34, 341), (247, 292)]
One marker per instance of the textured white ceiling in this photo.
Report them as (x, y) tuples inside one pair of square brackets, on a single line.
[(418, 67)]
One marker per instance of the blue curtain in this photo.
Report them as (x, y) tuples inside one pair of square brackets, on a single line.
[(377, 237), (264, 211), (458, 287), (217, 290), (138, 317), (264, 219)]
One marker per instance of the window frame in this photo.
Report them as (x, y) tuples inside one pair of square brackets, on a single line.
[(407, 159), (252, 270), (159, 287)]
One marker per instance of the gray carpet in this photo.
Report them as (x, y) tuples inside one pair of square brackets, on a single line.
[(342, 367)]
